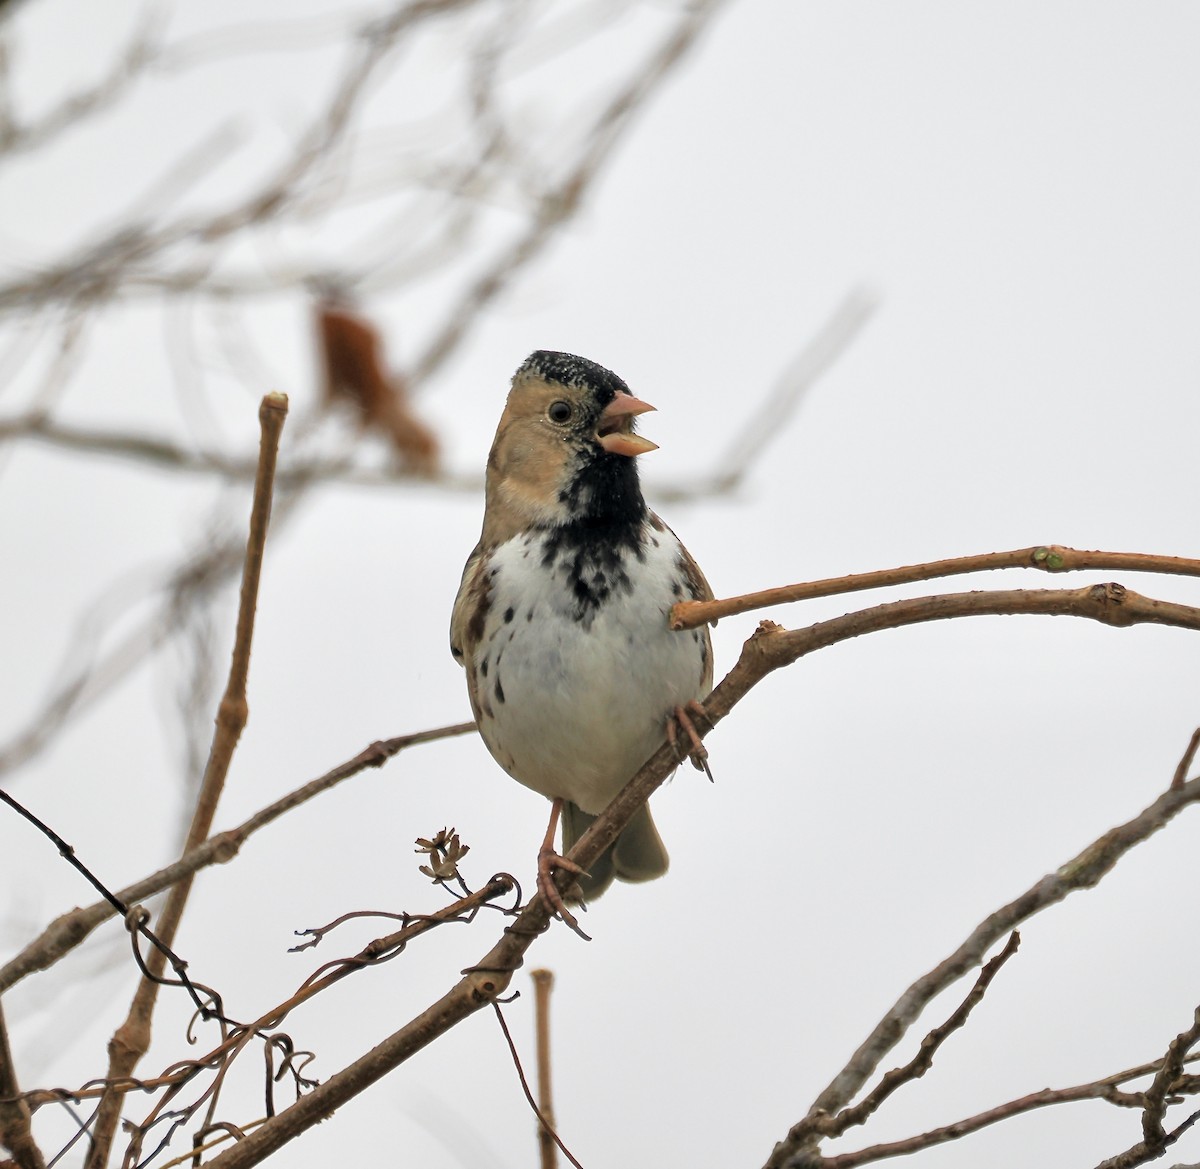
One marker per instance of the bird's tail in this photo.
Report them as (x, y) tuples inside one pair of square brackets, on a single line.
[(638, 854)]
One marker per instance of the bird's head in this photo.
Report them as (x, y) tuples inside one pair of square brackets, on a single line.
[(565, 448)]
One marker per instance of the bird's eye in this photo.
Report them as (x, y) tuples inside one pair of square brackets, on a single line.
[(559, 411)]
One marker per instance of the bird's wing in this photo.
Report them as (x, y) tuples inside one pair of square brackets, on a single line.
[(470, 607), (700, 590)]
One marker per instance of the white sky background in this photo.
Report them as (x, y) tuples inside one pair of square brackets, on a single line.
[(1018, 184)]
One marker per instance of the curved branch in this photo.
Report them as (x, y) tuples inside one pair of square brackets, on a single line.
[(1045, 557)]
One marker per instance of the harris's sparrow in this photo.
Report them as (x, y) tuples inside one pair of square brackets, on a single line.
[(561, 619)]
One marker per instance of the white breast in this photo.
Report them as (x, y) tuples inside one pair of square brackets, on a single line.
[(574, 696)]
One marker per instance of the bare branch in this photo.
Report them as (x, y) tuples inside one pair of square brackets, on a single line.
[(141, 51), (86, 681), (132, 1038), (15, 1134), (1186, 760), (814, 360), (1098, 1090), (69, 930), (833, 1126), (1156, 1139), (1084, 871), (118, 262), (1045, 557), (543, 984), (562, 200)]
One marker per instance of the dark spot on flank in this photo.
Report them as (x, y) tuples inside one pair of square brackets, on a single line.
[(499, 691), (508, 614), (479, 612), (529, 615), (677, 589), (458, 653), (483, 668)]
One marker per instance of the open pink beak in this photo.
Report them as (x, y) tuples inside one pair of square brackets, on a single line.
[(613, 431)]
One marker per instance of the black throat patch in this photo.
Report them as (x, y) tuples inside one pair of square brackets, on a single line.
[(593, 561)]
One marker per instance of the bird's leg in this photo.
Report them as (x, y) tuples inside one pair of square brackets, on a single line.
[(548, 861), (698, 753)]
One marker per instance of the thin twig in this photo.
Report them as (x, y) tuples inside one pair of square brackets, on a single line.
[(220, 1059), (1145, 1151), (226, 1133), (562, 200), (1104, 1089), (1172, 1066), (132, 1038), (69, 930), (1186, 760), (144, 46), (1046, 557), (833, 1126), (818, 355), (87, 681), (543, 985), (15, 1133), (120, 261), (136, 918)]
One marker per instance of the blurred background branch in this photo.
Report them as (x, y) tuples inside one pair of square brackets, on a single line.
[(431, 182)]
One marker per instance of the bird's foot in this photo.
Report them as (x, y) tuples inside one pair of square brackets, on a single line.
[(548, 862), (681, 719)]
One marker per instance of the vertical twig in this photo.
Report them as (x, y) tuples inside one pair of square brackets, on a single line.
[(15, 1134), (131, 1040), (1186, 761), (543, 984)]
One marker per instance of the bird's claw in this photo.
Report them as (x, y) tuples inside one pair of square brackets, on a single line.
[(548, 862), (696, 751)]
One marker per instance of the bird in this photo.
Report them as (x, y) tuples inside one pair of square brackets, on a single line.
[(562, 616)]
